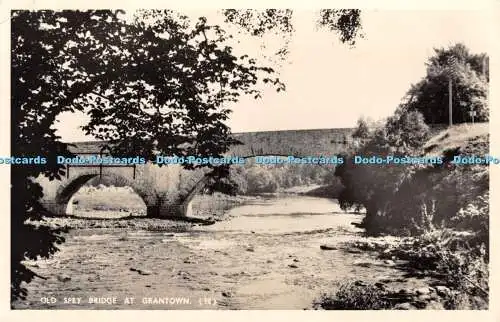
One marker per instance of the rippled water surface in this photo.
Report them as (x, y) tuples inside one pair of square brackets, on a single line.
[(266, 256)]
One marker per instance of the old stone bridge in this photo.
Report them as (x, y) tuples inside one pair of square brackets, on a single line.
[(168, 190)]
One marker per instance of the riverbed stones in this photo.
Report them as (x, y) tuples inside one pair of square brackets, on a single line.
[(360, 283), (424, 297), (184, 275), (404, 306), (419, 304), (328, 247), (405, 291), (442, 290), (362, 263), (94, 278), (423, 291), (141, 271), (63, 278), (435, 305)]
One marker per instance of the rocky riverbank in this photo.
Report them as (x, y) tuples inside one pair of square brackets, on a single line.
[(418, 257)]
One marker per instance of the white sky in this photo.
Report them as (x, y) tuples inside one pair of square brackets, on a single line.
[(330, 85)]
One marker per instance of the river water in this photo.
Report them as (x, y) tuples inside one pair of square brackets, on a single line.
[(265, 256)]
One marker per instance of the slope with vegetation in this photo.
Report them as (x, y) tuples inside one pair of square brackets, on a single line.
[(439, 211)]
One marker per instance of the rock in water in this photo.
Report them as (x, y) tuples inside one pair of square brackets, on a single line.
[(442, 290), (63, 278), (140, 271), (433, 305), (404, 306), (424, 291)]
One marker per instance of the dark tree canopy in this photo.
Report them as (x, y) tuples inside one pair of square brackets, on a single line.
[(470, 79), (345, 23), (151, 85)]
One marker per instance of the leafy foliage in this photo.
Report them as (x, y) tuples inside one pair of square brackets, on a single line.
[(415, 198), (346, 23), (352, 296), (362, 130), (470, 79), (151, 85), (154, 84), (374, 186)]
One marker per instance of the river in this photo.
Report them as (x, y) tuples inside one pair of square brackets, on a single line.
[(265, 256)]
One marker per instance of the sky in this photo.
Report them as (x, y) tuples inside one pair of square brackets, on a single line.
[(331, 85)]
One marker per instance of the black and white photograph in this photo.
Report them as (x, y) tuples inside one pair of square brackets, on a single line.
[(249, 159)]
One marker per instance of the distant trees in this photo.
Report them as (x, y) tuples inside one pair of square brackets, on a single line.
[(257, 178), (260, 180), (362, 130)]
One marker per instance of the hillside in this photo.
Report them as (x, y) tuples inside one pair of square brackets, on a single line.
[(463, 138)]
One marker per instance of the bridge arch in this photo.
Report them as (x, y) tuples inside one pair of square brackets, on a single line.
[(57, 199)]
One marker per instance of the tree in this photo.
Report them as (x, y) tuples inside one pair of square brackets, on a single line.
[(150, 88), (155, 84), (469, 76), (346, 23), (362, 131), (374, 185), (260, 180)]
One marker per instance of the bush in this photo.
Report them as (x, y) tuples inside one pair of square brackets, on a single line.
[(355, 296), (475, 216), (260, 180)]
